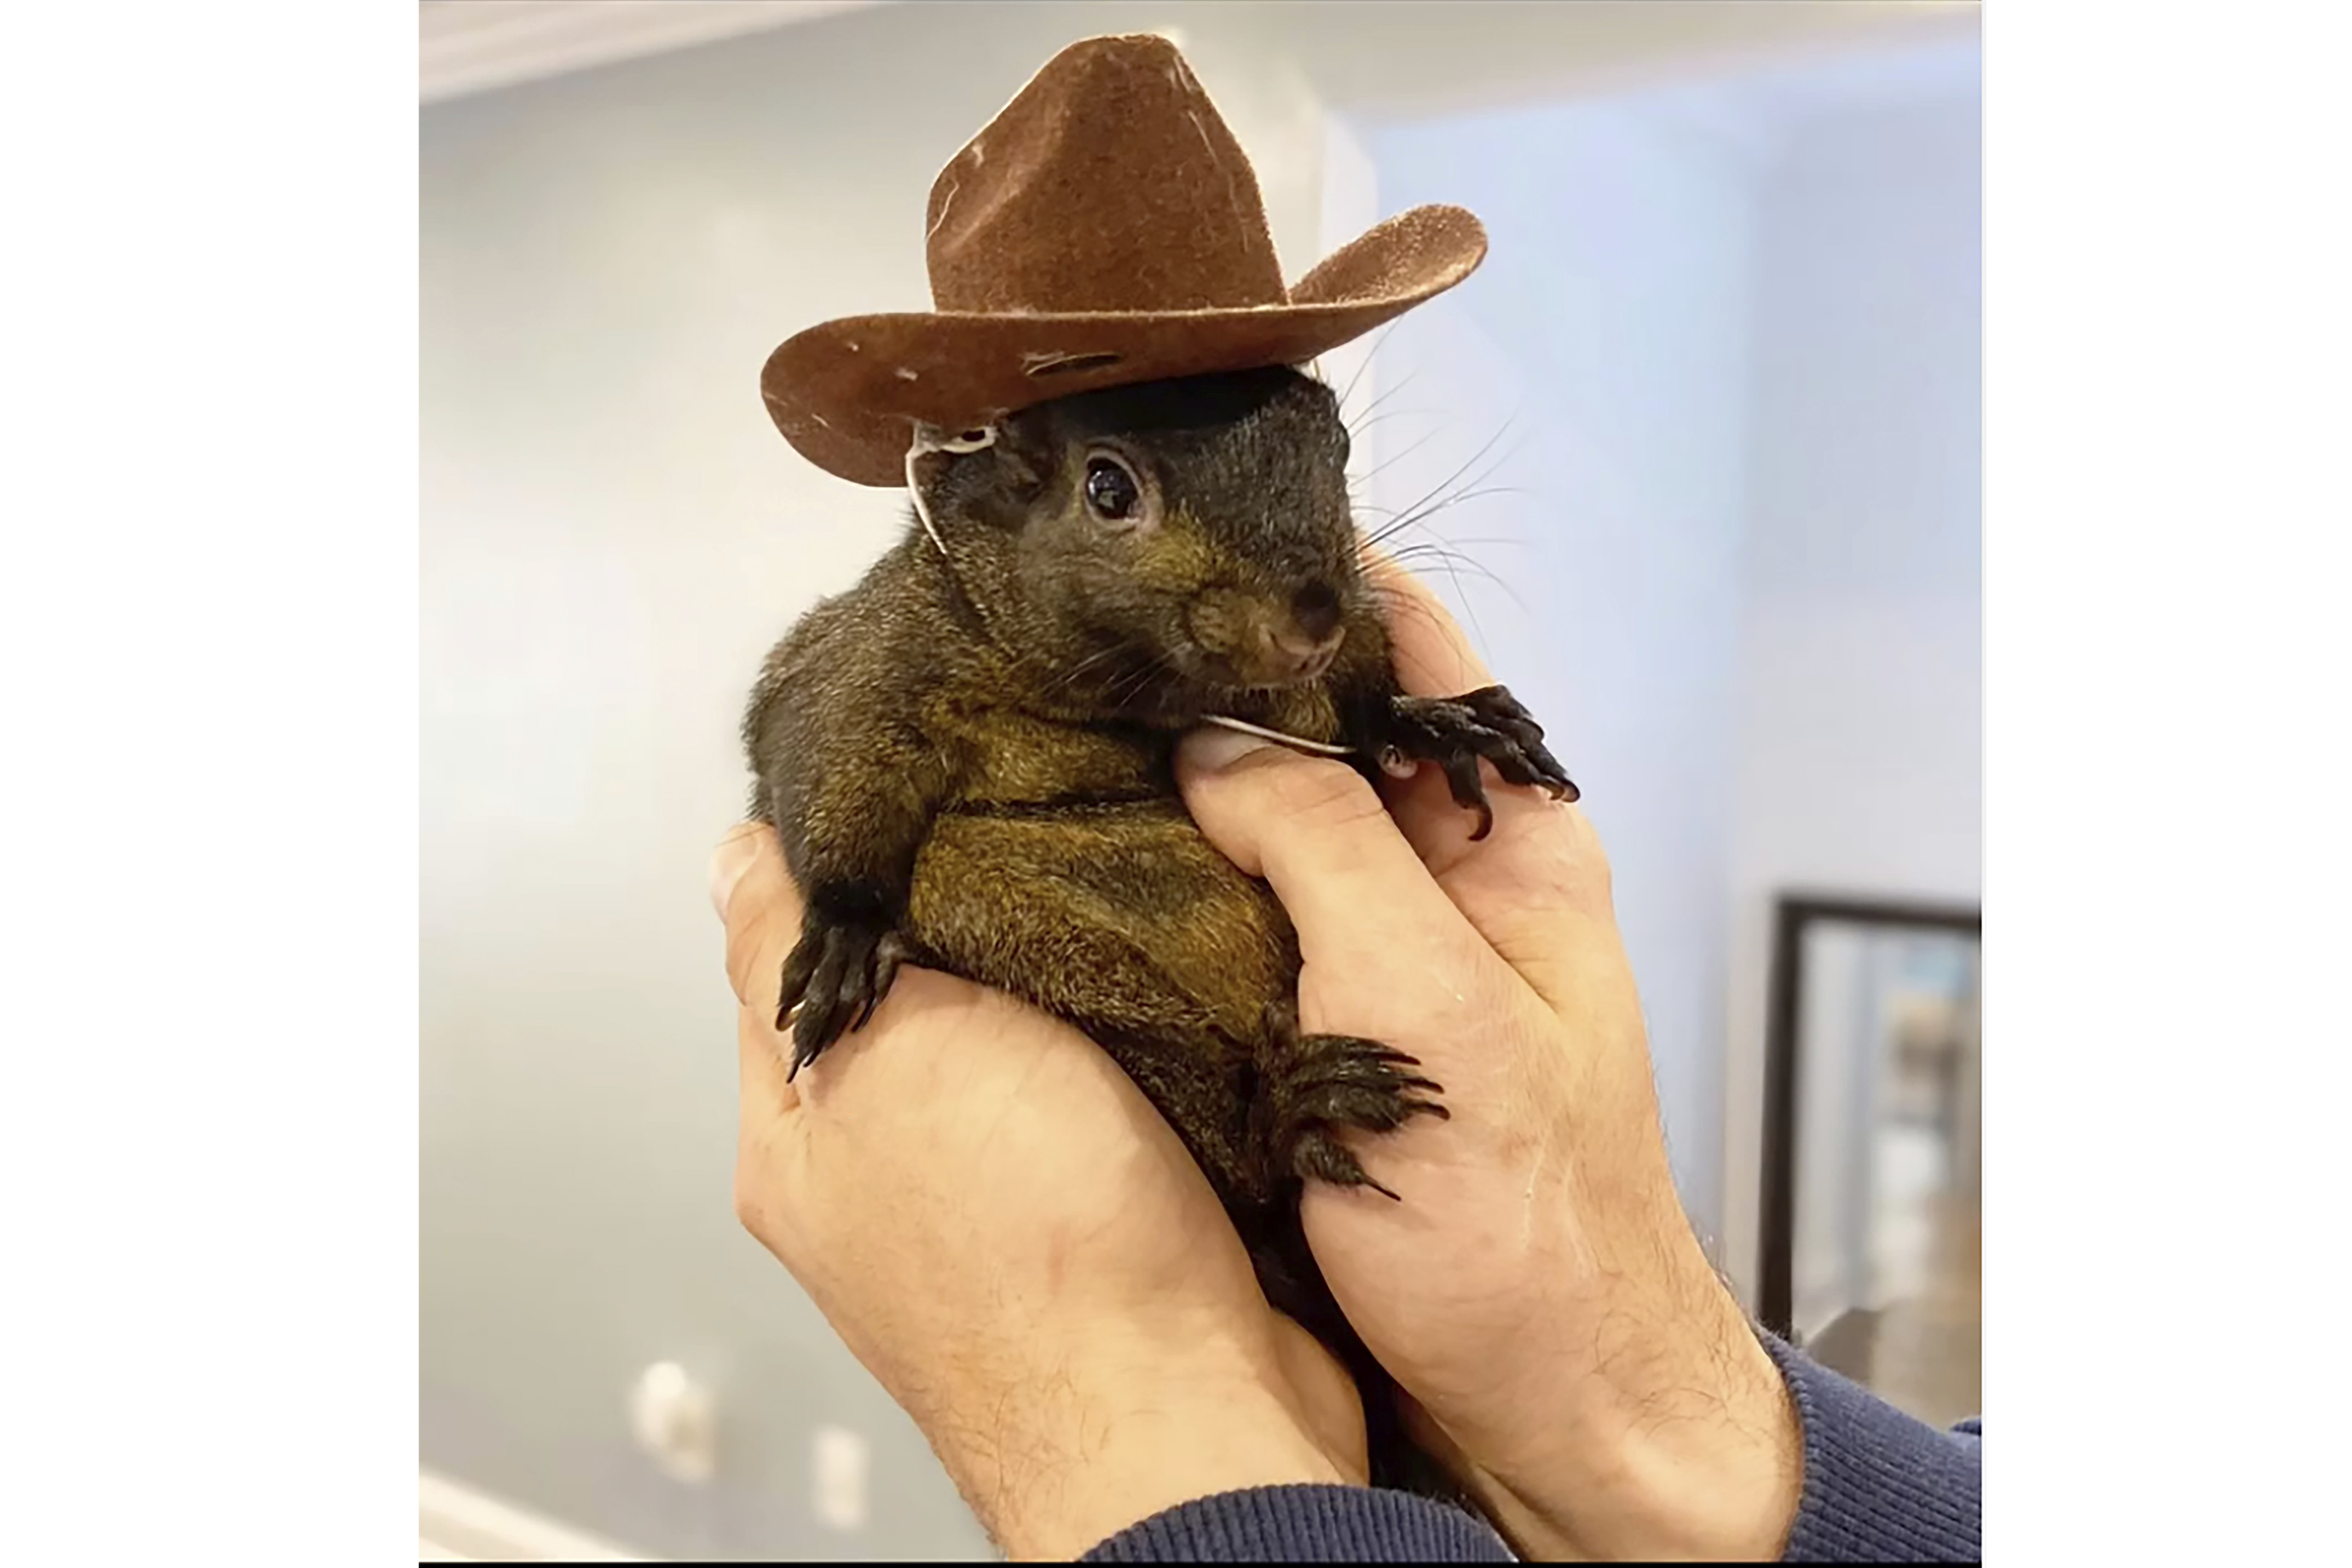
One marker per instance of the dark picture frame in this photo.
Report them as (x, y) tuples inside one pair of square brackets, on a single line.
[(1793, 915)]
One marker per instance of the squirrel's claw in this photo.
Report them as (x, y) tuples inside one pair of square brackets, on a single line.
[(1456, 732), (1316, 1085), (837, 974)]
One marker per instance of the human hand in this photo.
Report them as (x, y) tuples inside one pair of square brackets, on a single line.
[(1016, 1246), (1538, 1291)]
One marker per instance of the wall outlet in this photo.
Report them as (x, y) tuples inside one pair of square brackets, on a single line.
[(842, 1460), (676, 1423)]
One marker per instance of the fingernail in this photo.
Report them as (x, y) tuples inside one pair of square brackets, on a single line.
[(729, 861), (1213, 748)]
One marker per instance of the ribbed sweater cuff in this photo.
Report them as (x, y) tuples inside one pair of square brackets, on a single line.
[(1880, 1487), (1306, 1525)]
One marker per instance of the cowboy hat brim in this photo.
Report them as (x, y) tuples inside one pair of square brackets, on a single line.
[(847, 394)]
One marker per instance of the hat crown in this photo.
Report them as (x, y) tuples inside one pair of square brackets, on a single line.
[(1110, 183)]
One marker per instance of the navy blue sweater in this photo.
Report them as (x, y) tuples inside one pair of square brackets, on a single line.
[(1879, 1488)]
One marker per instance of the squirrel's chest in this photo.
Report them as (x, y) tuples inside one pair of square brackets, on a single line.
[(1010, 758)]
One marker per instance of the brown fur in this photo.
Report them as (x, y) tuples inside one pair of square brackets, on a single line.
[(969, 759)]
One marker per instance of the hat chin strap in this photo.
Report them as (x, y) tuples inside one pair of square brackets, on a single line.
[(1296, 742), (932, 439)]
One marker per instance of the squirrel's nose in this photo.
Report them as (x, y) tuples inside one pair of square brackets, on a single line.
[(1315, 609), (1306, 646)]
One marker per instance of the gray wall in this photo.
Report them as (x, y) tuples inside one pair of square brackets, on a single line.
[(1861, 647), (1608, 335), (1736, 352)]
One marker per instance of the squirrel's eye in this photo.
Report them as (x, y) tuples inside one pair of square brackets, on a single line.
[(1111, 491)]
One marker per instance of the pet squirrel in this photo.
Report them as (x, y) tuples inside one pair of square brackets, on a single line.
[(969, 759)]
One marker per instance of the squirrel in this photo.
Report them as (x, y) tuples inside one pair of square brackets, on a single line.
[(969, 759)]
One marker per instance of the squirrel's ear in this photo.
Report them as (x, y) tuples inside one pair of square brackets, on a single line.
[(1023, 454)]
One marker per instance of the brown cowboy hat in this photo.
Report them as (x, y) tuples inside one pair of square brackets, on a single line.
[(1104, 229)]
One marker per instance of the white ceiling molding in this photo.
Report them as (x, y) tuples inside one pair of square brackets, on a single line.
[(472, 46)]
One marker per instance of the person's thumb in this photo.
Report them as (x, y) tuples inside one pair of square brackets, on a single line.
[(1315, 830), (755, 897)]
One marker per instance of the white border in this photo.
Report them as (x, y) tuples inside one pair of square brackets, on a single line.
[(207, 649)]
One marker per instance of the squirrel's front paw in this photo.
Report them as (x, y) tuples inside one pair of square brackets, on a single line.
[(837, 974), (1455, 732)]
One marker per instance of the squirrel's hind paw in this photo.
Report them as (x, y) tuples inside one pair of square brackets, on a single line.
[(1319, 1084)]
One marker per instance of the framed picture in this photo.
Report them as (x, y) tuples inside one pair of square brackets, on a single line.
[(1872, 1143)]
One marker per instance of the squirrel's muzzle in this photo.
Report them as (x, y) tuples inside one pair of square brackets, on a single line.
[(1264, 640)]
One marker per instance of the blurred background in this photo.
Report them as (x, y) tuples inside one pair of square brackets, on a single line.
[(1707, 422)]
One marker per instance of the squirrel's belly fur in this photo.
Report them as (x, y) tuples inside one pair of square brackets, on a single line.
[(1124, 920)]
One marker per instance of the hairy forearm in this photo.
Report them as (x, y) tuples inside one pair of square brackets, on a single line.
[(1117, 1435), (1672, 1437)]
